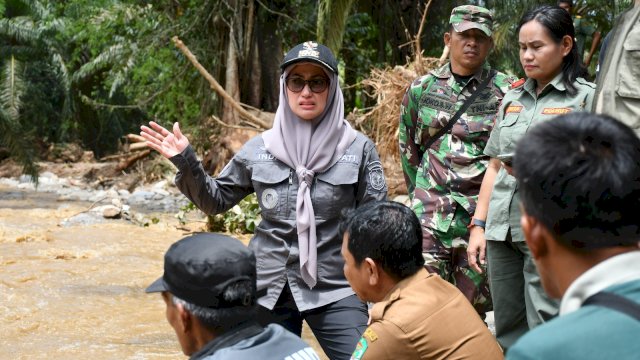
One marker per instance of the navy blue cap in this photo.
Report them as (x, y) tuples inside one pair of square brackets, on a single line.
[(311, 51), (199, 267)]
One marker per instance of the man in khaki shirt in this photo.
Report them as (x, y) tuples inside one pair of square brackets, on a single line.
[(417, 315)]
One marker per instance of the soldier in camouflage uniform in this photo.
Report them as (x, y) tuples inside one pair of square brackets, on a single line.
[(444, 180)]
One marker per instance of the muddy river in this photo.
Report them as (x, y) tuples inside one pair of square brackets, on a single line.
[(77, 292)]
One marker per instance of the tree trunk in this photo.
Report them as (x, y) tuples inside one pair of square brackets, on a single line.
[(270, 54), (332, 19), (234, 52)]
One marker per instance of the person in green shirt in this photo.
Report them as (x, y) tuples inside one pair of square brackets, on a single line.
[(554, 86)]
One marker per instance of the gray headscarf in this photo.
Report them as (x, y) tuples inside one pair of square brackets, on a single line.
[(309, 147)]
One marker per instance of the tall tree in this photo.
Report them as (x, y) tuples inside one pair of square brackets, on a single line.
[(332, 19)]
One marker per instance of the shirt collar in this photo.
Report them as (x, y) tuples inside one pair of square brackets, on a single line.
[(444, 72), (556, 83), (616, 270), (379, 308)]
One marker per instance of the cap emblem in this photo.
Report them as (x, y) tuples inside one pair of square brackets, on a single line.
[(309, 49)]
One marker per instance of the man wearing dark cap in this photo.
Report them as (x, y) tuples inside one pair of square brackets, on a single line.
[(416, 315), (579, 183), (209, 287), (446, 118)]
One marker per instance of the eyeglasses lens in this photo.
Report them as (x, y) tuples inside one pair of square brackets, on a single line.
[(297, 84)]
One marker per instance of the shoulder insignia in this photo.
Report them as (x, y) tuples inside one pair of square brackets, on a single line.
[(556, 111), (582, 81), (361, 348), (518, 83), (370, 335)]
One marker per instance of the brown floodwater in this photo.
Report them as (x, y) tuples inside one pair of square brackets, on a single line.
[(77, 292)]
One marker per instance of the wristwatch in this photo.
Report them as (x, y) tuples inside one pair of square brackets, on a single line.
[(478, 222)]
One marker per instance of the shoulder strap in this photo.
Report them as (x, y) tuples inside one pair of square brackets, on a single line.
[(462, 109), (614, 302)]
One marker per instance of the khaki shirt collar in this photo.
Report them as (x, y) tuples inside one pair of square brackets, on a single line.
[(379, 308)]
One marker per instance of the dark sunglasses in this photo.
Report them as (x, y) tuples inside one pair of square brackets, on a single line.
[(317, 85)]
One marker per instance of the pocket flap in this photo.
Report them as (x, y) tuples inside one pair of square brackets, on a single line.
[(270, 173), (632, 43), (509, 119), (340, 174)]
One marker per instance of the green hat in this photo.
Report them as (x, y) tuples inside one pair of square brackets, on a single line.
[(467, 17)]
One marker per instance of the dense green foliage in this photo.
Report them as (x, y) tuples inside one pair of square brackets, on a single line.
[(90, 71)]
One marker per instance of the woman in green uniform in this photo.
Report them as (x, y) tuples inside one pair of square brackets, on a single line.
[(553, 86)]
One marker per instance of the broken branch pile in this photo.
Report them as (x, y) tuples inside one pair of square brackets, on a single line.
[(380, 122)]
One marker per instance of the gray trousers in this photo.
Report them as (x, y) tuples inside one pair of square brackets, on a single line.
[(337, 326), (519, 301)]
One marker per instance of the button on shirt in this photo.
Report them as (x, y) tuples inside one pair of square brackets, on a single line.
[(521, 108)]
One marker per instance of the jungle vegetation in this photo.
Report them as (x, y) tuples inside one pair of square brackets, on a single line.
[(90, 71)]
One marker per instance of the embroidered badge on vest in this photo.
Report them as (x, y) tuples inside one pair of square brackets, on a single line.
[(556, 111), (269, 198), (513, 109)]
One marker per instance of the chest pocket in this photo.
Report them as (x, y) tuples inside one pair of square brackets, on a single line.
[(629, 71), (511, 130), (335, 190), (271, 184)]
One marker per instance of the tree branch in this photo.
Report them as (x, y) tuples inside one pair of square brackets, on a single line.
[(217, 87)]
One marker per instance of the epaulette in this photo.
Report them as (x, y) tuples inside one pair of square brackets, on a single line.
[(518, 83), (582, 81)]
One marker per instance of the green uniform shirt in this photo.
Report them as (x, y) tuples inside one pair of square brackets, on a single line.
[(520, 109), (450, 171)]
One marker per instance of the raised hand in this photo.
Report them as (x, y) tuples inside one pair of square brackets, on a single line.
[(163, 141)]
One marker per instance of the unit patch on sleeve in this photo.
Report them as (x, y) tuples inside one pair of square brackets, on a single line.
[(376, 177), (361, 348)]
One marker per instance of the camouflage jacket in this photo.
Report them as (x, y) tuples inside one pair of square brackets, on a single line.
[(451, 171)]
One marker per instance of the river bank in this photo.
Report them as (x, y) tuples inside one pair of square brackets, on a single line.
[(73, 279)]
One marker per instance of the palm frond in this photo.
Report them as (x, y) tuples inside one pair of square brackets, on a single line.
[(20, 29), (12, 88), (105, 59)]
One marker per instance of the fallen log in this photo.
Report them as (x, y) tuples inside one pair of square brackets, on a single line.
[(126, 163)]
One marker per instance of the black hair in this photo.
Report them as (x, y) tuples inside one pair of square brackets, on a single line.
[(238, 305), (558, 23), (387, 232), (579, 175)]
